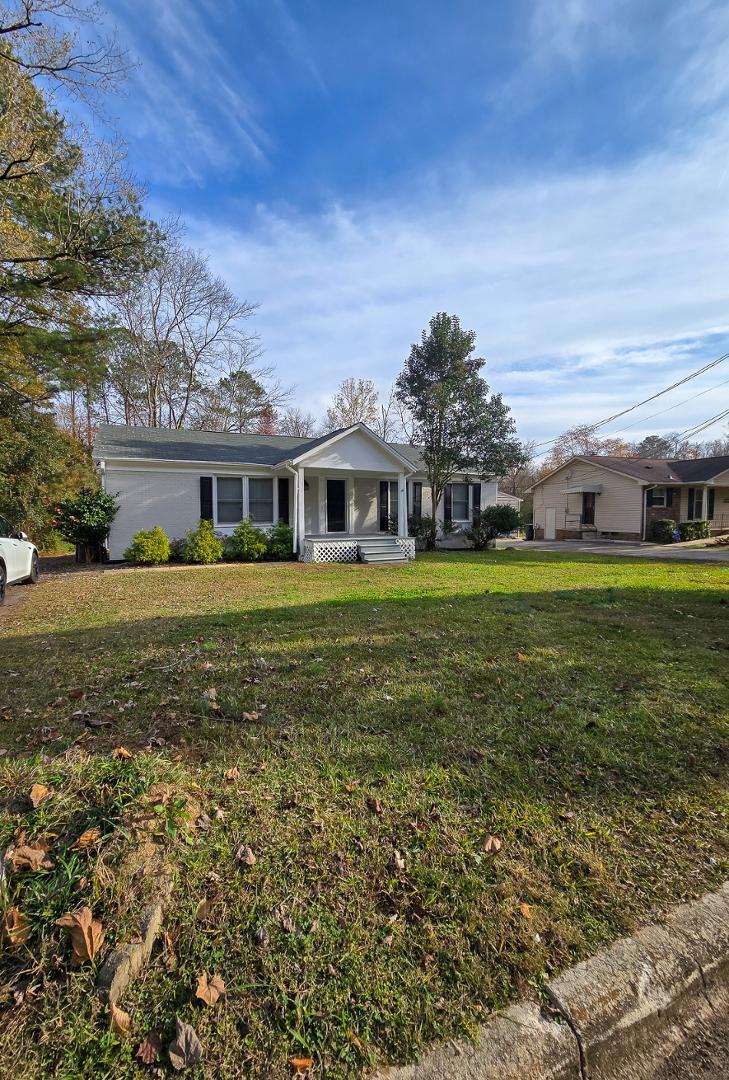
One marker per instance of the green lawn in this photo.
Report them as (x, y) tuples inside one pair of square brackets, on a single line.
[(575, 708)]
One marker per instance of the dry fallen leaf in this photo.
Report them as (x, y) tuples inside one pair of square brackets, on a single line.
[(398, 862), (77, 695), (244, 854), (31, 856), (522, 657), (38, 793), (374, 805), (87, 934), (525, 910), (232, 774), (249, 716), (185, 1049), (209, 990), (17, 927), (149, 1048), (491, 845), (121, 1022), (121, 754), (301, 1064), (203, 909), (87, 839)]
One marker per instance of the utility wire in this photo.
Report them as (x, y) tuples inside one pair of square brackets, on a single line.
[(670, 408), (623, 412), (706, 423)]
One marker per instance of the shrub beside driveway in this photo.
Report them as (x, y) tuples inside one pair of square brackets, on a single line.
[(390, 799)]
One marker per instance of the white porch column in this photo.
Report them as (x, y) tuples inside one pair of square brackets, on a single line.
[(300, 509), (402, 505)]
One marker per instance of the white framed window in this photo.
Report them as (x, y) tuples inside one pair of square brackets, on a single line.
[(658, 497), (260, 500), (229, 499), (461, 502)]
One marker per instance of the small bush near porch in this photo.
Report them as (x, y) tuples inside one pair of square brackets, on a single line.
[(389, 799)]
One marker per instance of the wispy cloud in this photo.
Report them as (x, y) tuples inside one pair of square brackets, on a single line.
[(586, 291)]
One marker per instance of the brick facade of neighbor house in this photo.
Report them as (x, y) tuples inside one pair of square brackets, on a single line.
[(659, 513)]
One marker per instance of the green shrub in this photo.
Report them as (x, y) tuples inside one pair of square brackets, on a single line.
[(85, 521), (201, 545), (490, 523), (693, 530), (247, 542), (662, 530), (149, 548), (280, 541)]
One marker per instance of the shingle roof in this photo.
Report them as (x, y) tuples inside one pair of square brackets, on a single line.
[(661, 470), (163, 444)]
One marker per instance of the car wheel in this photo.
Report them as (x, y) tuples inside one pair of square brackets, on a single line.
[(34, 569), (3, 583)]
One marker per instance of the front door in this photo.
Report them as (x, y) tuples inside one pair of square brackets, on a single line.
[(336, 506), (550, 523), (588, 507)]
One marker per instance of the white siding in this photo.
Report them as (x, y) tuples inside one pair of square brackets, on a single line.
[(618, 508), (354, 451), (148, 497)]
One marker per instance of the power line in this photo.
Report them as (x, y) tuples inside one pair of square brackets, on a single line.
[(706, 423), (670, 408), (623, 412)]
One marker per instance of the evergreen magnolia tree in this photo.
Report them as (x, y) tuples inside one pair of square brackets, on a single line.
[(461, 427)]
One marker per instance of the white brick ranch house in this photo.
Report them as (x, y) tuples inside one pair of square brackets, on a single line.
[(337, 492)]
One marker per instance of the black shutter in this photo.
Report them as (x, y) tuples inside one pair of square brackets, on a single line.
[(710, 503), (206, 498), (417, 499), (691, 504), (384, 505), (649, 497), (669, 496), (476, 496), (283, 499), (448, 504)]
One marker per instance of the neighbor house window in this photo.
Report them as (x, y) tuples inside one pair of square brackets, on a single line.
[(260, 500), (459, 496), (230, 499), (657, 497)]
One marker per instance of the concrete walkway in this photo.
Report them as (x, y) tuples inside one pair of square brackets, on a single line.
[(633, 550)]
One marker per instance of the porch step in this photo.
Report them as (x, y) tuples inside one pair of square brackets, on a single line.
[(381, 549)]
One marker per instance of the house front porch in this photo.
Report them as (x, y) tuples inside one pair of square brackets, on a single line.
[(366, 547)]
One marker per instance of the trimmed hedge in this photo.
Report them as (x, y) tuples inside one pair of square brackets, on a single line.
[(201, 545), (662, 530), (280, 544), (149, 547), (247, 542), (693, 530)]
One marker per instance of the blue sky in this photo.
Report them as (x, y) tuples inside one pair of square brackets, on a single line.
[(556, 173)]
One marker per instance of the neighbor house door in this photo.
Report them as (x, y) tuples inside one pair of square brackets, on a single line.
[(336, 506), (588, 507), (550, 523)]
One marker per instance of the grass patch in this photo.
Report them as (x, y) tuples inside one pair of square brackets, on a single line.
[(363, 730)]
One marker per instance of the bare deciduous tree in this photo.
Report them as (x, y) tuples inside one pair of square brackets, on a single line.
[(355, 402), (301, 425)]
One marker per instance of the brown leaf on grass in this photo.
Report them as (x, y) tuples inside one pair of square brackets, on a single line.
[(525, 910), (244, 854), (121, 754), (397, 861), (31, 856), (249, 716), (491, 845), (354, 1039), (522, 657), (301, 1064), (203, 909), (185, 1049), (87, 934), (149, 1048), (232, 774), (87, 839), (17, 927), (77, 695), (121, 1022), (38, 793), (374, 805), (209, 990)]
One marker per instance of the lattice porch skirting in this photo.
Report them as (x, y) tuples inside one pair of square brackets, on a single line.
[(345, 550)]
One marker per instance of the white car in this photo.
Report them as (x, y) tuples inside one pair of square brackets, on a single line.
[(18, 558)]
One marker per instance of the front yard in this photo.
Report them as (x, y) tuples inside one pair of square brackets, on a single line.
[(407, 794)]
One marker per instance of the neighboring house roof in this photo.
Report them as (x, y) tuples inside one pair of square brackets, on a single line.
[(653, 470)]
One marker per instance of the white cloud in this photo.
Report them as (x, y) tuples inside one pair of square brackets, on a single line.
[(587, 291)]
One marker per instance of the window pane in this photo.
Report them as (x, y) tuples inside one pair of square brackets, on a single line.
[(230, 499), (459, 495), (260, 500)]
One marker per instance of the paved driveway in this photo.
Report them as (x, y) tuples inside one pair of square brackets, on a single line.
[(621, 547)]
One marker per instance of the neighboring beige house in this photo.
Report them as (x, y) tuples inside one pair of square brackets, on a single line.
[(339, 492), (616, 497)]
